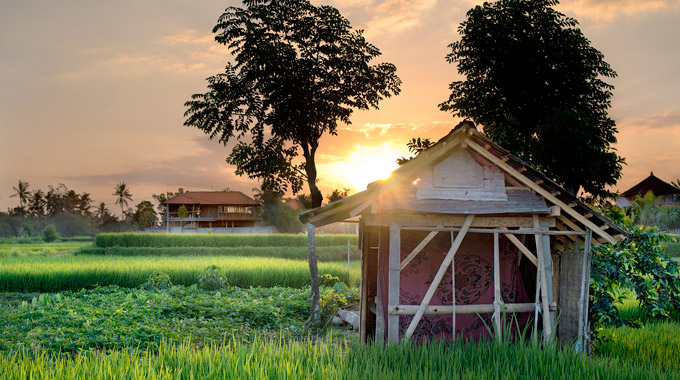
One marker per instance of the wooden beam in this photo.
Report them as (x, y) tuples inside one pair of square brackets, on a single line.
[(555, 211), (546, 194), (522, 248), (547, 325), (438, 277), (467, 309), (430, 220), (497, 299), (393, 280), (417, 249)]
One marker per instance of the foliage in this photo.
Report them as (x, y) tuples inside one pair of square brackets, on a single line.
[(218, 240), (325, 253), (123, 195), (534, 82), (415, 146), (643, 210), (305, 200), (21, 192), (212, 278), (338, 194), (639, 263), (286, 358), (112, 317), (672, 249), (668, 217), (145, 215), (277, 213), (298, 69), (60, 273), (338, 297), (49, 233), (36, 246), (157, 281), (27, 230)]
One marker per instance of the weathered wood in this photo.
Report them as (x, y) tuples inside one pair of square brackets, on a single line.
[(379, 312), (555, 210), (547, 325), (394, 275), (467, 309), (438, 277), (583, 299), (363, 288), (522, 248), (419, 248), (453, 294), (546, 194), (430, 220), (497, 300)]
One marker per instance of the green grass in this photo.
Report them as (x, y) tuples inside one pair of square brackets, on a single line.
[(324, 253), (218, 240), (60, 273), (311, 359), (656, 343), (672, 249), (41, 248)]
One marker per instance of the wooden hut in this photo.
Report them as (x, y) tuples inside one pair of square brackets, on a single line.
[(467, 221)]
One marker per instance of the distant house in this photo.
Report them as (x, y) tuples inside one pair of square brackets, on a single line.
[(657, 186), (213, 209)]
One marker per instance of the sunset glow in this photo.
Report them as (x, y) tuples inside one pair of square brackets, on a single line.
[(363, 165)]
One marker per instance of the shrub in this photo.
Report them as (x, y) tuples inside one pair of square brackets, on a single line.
[(157, 281), (49, 233), (212, 278)]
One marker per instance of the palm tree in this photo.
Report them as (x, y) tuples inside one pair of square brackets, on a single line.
[(122, 191), (644, 209), (22, 192), (102, 212)]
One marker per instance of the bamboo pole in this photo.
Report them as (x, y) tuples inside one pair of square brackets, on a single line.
[(453, 294), (497, 287), (466, 309), (379, 312), (547, 323), (437, 279)]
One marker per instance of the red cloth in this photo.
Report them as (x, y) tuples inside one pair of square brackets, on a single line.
[(474, 282)]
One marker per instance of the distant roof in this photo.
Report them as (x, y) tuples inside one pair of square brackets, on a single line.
[(653, 184), (212, 198)]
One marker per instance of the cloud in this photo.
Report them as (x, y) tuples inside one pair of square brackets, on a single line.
[(608, 10), (655, 122)]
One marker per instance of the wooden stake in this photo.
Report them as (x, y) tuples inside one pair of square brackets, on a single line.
[(547, 325), (497, 287), (453, 295), (438, 278), (393, 291), (379, 312)]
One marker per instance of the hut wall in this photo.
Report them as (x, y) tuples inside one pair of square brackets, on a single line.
[(571, 275), (474, 282)]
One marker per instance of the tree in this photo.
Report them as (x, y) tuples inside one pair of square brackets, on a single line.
[(338, 194), (643, 210), (36, 203), (122, 192), (145, 215), (182, 213), (103, 214), (298, 70), (415, 146), (534, 82), (21, 191)]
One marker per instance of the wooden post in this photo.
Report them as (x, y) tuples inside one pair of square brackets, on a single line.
[(547, 323), (393, 280), (537, 298), (583, 299), (453, 295), (438, 277), (497, 287), (379, 312)]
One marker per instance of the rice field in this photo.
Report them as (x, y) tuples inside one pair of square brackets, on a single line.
[(40, 248), (49, 274), (218, 240), (311, 359)]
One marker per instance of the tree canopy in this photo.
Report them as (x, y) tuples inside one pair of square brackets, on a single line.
[(534, 81), (298, 70)]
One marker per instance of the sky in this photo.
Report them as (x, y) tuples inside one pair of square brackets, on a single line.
[(92, 92)]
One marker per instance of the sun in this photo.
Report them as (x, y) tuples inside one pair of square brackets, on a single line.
[(363, 165)]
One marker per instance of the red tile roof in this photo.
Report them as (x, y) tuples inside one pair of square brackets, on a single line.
[(212, 198)]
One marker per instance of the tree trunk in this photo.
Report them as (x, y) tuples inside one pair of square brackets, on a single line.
[(310, 169)]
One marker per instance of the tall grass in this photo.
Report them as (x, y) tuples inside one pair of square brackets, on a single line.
[(657, 343), (266, 359), (40, 248), (53, 274), (218, 240), (324, 253)]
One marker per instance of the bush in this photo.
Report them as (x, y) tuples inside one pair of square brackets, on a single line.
[(672, 249), (212, 278), (157, 281), (49, 233), (218, 240)]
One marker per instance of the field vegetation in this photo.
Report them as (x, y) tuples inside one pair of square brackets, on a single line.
[(219, 240)]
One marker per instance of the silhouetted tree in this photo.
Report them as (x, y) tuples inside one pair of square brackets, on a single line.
[(534, 82), (298, 70), (21, 191), (36, 203), (415, 146), (123, 195), (338, 194)]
